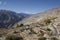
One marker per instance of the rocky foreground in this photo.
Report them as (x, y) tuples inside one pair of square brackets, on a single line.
[(47, 29)]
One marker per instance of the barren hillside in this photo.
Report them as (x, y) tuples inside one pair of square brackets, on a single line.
[(42, 26)]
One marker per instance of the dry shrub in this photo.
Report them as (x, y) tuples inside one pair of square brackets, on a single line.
[(13, 37), (54, 38), (42, 38), (20, 25), (46, 21)]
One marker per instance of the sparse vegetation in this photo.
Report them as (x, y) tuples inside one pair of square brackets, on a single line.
[(32, 32), (20, 25), (13, 37), (0, 35), (47, 21), (42, 38), (54, 38), (15, 32), (48, 29)]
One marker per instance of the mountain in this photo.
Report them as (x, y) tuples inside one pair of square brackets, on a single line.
[(9, 18), (55, 12), (40, 26)]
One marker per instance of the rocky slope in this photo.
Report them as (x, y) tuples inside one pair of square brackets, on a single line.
[(46, 14), (42, 26)]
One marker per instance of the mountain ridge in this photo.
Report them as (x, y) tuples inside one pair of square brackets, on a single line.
[(47, 13), (8, 18)]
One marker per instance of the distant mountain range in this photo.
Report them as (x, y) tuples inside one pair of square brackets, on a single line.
[(9, 18)]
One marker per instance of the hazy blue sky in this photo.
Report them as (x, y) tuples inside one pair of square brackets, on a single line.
[(28, 6)]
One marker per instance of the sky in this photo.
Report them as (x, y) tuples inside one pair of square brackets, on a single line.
[(28, 6)]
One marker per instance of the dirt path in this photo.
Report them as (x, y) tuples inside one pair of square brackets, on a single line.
[(54, 29)]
